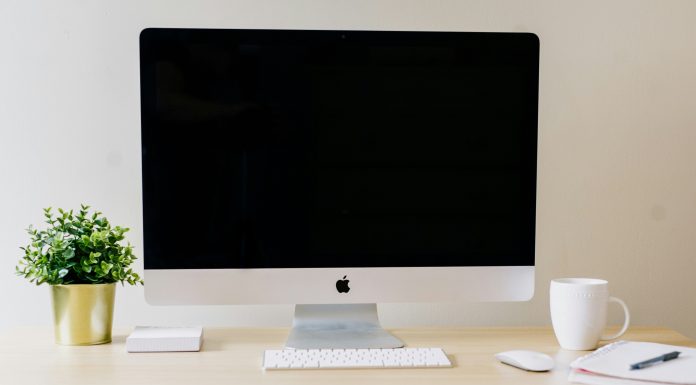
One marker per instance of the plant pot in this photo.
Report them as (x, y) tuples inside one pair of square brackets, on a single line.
[(83, 314)]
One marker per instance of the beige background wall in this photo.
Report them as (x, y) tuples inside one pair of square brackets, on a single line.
[(617, 165)]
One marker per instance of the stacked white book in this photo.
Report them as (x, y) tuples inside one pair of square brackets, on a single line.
[(165, 339), (611, 365)]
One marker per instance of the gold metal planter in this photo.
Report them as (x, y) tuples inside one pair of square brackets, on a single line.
[(83, 314)]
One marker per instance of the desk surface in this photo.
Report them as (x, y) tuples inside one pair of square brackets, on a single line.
[(233, 356)]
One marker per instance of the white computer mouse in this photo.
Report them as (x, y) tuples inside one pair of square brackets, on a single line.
[(527, 360)]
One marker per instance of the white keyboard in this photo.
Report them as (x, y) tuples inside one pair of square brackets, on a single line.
[(355, 358)]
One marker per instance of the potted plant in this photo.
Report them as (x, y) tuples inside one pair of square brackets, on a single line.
[(81, 257)]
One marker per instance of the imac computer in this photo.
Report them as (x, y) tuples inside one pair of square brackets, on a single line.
[(337, 169)]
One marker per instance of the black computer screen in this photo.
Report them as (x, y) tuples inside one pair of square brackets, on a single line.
[(303, 149)]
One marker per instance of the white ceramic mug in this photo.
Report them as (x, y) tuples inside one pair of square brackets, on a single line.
[(579, 312)]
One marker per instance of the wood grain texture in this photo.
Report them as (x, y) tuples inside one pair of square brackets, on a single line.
[(233, 356)]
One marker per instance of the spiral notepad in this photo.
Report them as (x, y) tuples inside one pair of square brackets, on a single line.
[(611, 365)]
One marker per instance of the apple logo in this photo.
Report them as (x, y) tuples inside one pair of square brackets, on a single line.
[(342, 285)]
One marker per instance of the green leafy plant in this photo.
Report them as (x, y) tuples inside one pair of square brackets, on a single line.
[(77, 248)]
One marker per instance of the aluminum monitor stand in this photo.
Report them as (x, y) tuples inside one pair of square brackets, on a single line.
[(348, 326)]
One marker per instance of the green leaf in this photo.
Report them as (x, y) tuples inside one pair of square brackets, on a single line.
[(106, 267), (76, 248)]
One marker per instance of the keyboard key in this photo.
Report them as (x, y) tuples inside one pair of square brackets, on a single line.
[(355, 358)]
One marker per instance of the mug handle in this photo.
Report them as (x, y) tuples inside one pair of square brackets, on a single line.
[(627, 319)]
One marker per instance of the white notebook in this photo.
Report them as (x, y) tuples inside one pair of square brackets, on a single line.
[(164, 339), (610, 365)]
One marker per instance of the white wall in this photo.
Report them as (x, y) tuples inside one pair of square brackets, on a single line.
[(617, 165)]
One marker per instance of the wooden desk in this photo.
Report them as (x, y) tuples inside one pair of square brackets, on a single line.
[(233, 356)]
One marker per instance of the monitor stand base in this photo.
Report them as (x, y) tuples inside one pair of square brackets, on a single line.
[(347, 326)]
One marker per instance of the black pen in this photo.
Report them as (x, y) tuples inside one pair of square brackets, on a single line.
[(653, 361)]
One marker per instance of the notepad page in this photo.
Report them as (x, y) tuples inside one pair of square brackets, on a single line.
[(589, 378), (615, 360)]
